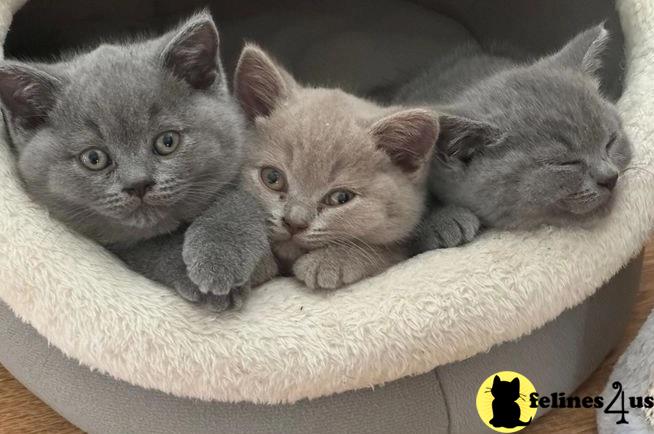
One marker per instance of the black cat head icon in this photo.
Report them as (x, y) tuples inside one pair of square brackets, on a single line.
[(503, 404)]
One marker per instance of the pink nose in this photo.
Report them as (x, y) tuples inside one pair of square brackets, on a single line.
[(294, 227), (139, 189)]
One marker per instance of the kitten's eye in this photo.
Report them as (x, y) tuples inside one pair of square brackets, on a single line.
[(95, 159), (338, 197), (273, 178), (167, 143)]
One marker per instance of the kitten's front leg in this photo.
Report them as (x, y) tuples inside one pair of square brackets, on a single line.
[(336, 266), (160, 259), (446, 226), (223, 246)]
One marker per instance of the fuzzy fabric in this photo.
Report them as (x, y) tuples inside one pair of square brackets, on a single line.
[(635, 372), (289, 343)]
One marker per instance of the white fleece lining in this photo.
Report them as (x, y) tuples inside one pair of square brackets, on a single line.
[(289, 343)]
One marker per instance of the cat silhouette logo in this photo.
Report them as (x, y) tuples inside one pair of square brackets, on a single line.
[(503, 401)]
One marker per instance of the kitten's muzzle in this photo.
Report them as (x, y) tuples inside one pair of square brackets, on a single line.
[(609, 183), (294, 227), (139, 189)]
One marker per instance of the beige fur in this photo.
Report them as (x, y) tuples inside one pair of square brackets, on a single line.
[(323, 140)]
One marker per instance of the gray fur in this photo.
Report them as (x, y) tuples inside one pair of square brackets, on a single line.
[(119, 99), (160, 259), (521, 144), (215, 248), (445, 226)]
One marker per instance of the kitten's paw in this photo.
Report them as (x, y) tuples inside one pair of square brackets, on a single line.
[(234, 300), (217, 269), (327, 269), (214, 278), (188, 290), (316, 273), (217, 303), (445, 227), (239, 295)]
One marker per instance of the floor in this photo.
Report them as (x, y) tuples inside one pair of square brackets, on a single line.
[(21, 412)]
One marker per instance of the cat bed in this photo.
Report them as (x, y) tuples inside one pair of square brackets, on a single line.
[(635, 374), (115, 352)]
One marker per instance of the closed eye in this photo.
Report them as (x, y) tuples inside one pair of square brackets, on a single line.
[(571, 163), (611, 141), (466, 160)]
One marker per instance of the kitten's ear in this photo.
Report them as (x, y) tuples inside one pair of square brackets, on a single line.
[(584, 51), (516, 383), (259, 83), (408, 137), (461, 137), (27, 94), (193, 52), (496, 380)]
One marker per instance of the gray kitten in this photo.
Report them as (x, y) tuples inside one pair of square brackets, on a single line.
[(521, 144), (132, 142)]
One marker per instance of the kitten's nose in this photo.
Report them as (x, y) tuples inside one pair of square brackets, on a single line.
[(609, 182), (294, 227), (140, 188)]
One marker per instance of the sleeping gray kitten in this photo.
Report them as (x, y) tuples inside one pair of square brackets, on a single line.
[(129, 143), (521, 144)]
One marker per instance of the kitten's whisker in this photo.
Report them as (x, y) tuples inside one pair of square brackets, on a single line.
[(346, 242), (378, 260), (636, 168)]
